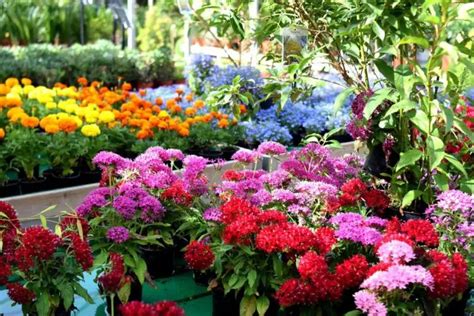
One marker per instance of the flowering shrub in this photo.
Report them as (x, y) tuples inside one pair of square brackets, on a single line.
[(31, 256), (163, 308)]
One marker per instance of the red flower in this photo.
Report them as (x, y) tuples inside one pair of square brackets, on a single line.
[(460, 273), (9, 218), (313, 265), (354, 187), (199, 256), (236, 208), (5, 270), (177, 194), (20, 294), (10, 243), (240, 230), (421, 231), (325, 239), (168, 308), (232, 175), (381, 266), (285, 237), (351, 272), (70, 223), (82, 251), (269, 217), (39, 242), (393, 226), (137, 308), (376, 199), (394, 236), (332, 204), (450, 275), (112, 281)]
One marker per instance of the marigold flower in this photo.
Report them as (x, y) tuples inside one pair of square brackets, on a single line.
[(190, 111), (126, 86), (51, 128), (82, 81), (26, 81), (223, 123), (182, 131), (2, 133), (90, 130), (243, 109), (189, 97), (4, 89), (11, 82), (30, 121), (67, 124), (142, 92), (199, 104), (106, 117)]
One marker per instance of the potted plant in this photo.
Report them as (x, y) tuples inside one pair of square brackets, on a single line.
[(45, 267)]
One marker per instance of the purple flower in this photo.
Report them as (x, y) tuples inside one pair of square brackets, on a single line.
[(150, 161), (359, 102), (175, 154), (399, 277), (356, 228), (454, 200), (283, 195), (316, 190), (105, 159), (261, 197), (132, 190), (395, 251), (369, 303), (118, 234), (158, 180), (358, 130), (95, 199), (271, 148), (375, 221), (346, 218), (159, 152), (298, 209), (245, 156), (212, 214), (276, 178), (152, 210), (125, 206), (194, 165)]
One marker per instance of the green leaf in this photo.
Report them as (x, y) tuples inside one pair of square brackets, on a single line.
[(341, 98), (262, 305), (409, 197), (252, 277), (414, 40), (140, 270), (442, 181), (421, 120), (248, 305), (459, 124), (378, 30), (448, 117), (82, 292), (353, 313), (385, 69), (456, 164), (375, 100), (408, 158), (468, 186), (101, 258), (42, 304), (435, 149), (44, 222), (67, 294), (403, 105), (124, 292)]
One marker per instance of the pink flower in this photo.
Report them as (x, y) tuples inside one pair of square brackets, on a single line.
[(368, 303), (395, 251), (271, 148), (398, 277), (245, 156)]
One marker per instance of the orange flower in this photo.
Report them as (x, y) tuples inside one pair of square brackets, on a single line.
[(48, 120), (95, 84), (162, 125), (26, 81), (179, 91), (182, 131), (170, 103), (60, 85), (207, 118), (82, 81), (126, 86), (199, 104), (223, 123), (13, 102), (51, 128), (142, 92), (10, 82), (189, 97), (176, 109), (30, 121), (190, 111), (67, 124), (2, 133), (4, 89), (159, 101), (243, 109), (144, 133)]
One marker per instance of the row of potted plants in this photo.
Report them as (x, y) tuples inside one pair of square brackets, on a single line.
[(64, 127), (314, 234)]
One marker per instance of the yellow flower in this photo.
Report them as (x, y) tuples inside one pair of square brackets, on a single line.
[(163, 114), (106, 117), (78, 120), (91, 116), (26, 81), (10, 82), (80, 111), (90, 130), (51, 105), (28, 89)]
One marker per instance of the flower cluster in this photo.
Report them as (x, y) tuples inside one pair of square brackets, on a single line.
[(163, 308), (199, 256), (114, 279)]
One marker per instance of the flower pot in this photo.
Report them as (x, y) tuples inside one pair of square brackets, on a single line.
[(90, 176), (203, 277), (458, 307), (33, 185), (159, 261), (67, 181), (10, 188), (225, 305), (227, 152), (375, 162), (211, 153), (136, 291), (60, 311)]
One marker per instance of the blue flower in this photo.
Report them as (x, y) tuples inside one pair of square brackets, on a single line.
[(258, 132)]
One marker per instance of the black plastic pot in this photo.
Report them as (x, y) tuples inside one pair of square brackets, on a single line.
[(211, 154), (227, 152), (458, 307), (225, 305), (375, 162), (67, 181), (159, 262), (90, 176), (203, 277), (33, 185), (136, 291), (10, 188), (60, 311)]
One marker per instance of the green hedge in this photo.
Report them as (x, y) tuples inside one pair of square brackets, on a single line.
[(103, 61)]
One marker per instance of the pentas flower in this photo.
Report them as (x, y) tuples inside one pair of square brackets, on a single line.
[(157, 151), (212, 214), (271, 148), (9, 218), (158, 180), (399, 277), (368, 302), (283, 195), (177, 194), (311, 191), (72, 224), (298, 209), (232, 175), (112, 281), (376, 199), (353, 227), (193, 179), (351, 272), (275, 178), (152, 210), (421, 231), (450, 275), (199, 256), (455, 200), (175, 154), (168, 308), (164, 308), (39, 243), (236, 208), (150, 161), (93, 201), (245, 156), (118, 234), (261, 197), (125, 206), (312, 265), (20, 294), (396, 252)]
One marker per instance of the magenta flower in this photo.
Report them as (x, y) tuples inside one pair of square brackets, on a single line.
[(369, 303), (245, 156), (271, 148), (396, 252), (106, 159), (212, 214), (175, 154), (399, 277), (125, 206), (118, 234)]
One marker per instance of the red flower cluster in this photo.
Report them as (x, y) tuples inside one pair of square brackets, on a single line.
[(232, 175), (421, 231), (5, 270), (237, 208), (20, 294), (70, 223), (9, 218), (199, 256), (450, 275), (318, 284), (112, 281), (164, 308), (352, 191), (177, 194), (376, 200), (82, 251)]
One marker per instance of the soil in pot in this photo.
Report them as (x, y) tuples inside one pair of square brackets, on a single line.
[(67, 181), (136, 291), (33, 185), (159, 261), (10, 188)]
